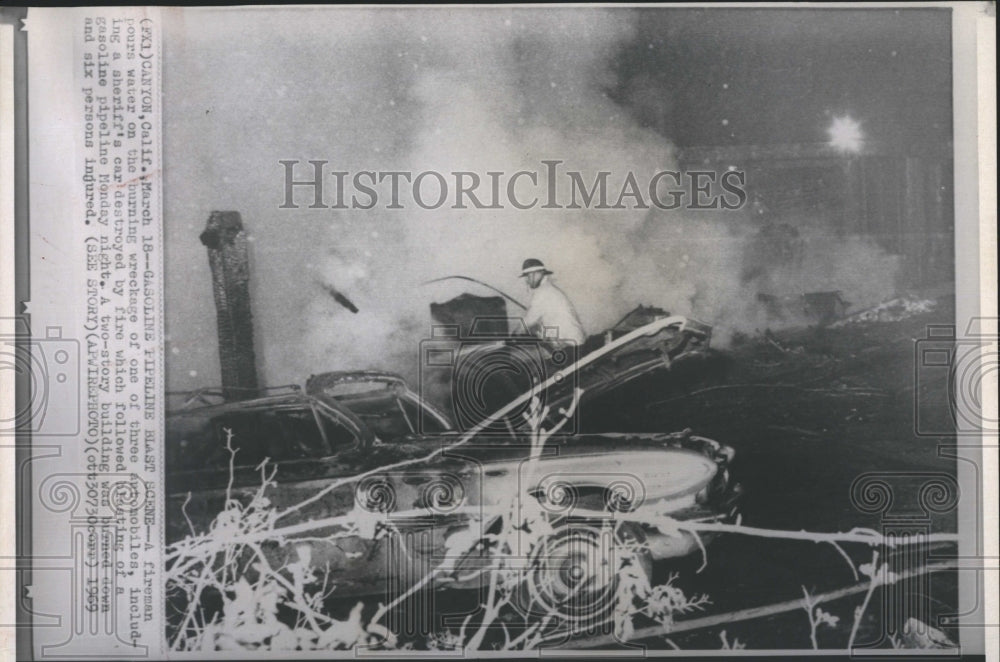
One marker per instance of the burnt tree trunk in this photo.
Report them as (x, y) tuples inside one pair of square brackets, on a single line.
[(227, 255)]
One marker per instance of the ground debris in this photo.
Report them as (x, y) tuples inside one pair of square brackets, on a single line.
[(893, 310), (799, 431)]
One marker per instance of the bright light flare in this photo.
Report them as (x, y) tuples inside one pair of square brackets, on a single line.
[(845, 134)]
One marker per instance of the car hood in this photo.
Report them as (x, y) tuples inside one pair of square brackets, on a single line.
[(656, 465)]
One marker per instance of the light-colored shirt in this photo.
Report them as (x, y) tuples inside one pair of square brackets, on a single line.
[(551, 314)]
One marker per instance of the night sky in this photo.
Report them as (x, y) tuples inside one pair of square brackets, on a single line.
[(778, 75)]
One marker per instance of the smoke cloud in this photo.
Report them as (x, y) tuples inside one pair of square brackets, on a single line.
[(433, 89)]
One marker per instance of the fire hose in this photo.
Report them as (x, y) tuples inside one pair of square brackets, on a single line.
[(487, 285)]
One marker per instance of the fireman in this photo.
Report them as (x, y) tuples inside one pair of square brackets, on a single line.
[(551, 314)]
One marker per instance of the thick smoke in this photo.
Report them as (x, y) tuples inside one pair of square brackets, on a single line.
[(414, 90)]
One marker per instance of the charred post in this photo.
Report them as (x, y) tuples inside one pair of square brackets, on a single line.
[(227, 255)]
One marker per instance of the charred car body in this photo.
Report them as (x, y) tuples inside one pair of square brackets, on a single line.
[(476, 363), (378, 452)]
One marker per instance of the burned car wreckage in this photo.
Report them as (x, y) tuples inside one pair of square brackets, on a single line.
[(420, 484), (479, 359)]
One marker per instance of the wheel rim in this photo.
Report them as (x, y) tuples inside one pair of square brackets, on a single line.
[(573, 576)]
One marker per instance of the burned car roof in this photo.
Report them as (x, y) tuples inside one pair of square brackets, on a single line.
[(285, 426), (369, 404), (382, 400)]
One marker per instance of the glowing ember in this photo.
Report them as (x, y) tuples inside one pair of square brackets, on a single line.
[(845, 134)]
